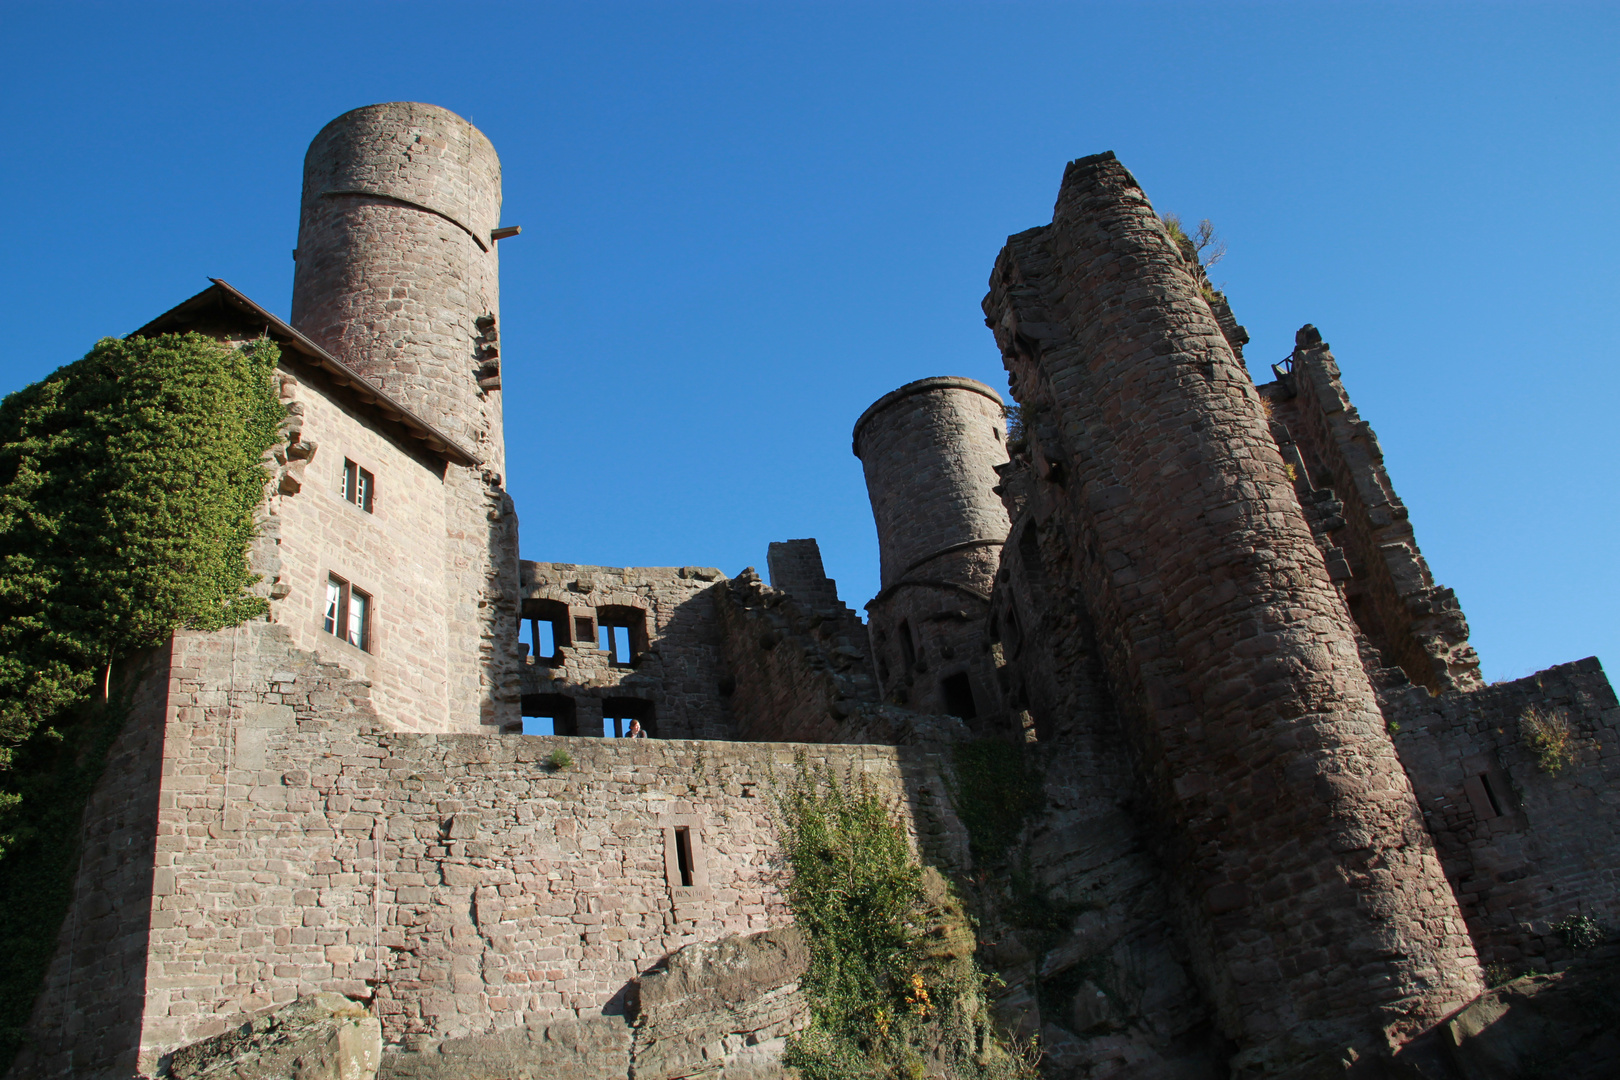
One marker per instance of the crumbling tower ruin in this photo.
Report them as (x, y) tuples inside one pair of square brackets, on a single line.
[(930, 450), (397, 271), (1308, 889)]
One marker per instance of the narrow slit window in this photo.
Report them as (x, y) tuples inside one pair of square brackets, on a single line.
[(358, 485), (683, 855), (1490, 793), (908, 650)]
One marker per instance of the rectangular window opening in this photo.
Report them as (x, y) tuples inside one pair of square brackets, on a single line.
[(627, 718), (683, 854), (548, 714), (958, 693), (347, 614), (583, 630), (358, 485)]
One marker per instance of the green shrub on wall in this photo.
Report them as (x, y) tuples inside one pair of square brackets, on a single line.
[(129, 483), (892, 986)]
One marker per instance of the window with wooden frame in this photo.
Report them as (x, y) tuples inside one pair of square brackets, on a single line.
[(359, 486), (348, 613)]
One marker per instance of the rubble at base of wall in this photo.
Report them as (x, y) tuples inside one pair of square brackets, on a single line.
[(720, 1010), (321, 1037)]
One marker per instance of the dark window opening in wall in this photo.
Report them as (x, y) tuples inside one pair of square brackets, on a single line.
[(548, 714), (358, 485), (619, 713), (348, 613), (584, 628), (1481, 798), (544, 628), (683, 855), (908, 649), (958, 693), (623, 633)]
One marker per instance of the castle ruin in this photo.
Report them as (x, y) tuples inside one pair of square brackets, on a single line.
[(1289, 819)]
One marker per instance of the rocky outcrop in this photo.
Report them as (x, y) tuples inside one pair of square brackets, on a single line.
[(323, 1037), (1564, 1025), (719, 1010), (722, 1009)]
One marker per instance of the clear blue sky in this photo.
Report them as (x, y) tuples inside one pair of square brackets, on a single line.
[(744, 222)]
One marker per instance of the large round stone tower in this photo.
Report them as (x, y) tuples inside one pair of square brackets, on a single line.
[(397, 271), (930, 450)]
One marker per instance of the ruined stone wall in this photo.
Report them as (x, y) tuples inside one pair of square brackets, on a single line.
[(677, 666), (795, 568), (929, 451), (1311, 896), (1523, 847), (1340, 471), (795, 674), (1110, 985)]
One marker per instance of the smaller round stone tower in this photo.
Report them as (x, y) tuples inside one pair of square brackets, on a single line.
[(397, 272), (930, 450)]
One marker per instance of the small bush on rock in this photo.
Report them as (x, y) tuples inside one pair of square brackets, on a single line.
[(1546, 732)]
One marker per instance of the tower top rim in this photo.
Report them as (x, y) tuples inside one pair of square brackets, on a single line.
[(381, 106), (922, 386)]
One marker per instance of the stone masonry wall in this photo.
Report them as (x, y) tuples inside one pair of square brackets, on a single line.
[(464, 884), (88, 1013), (796, 674), (678, 667), (1110, 990), (795, 568), (1311, 896), (398, 554), (1523, 848)]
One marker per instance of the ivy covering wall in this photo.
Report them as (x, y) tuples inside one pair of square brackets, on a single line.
[(129, 482)]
